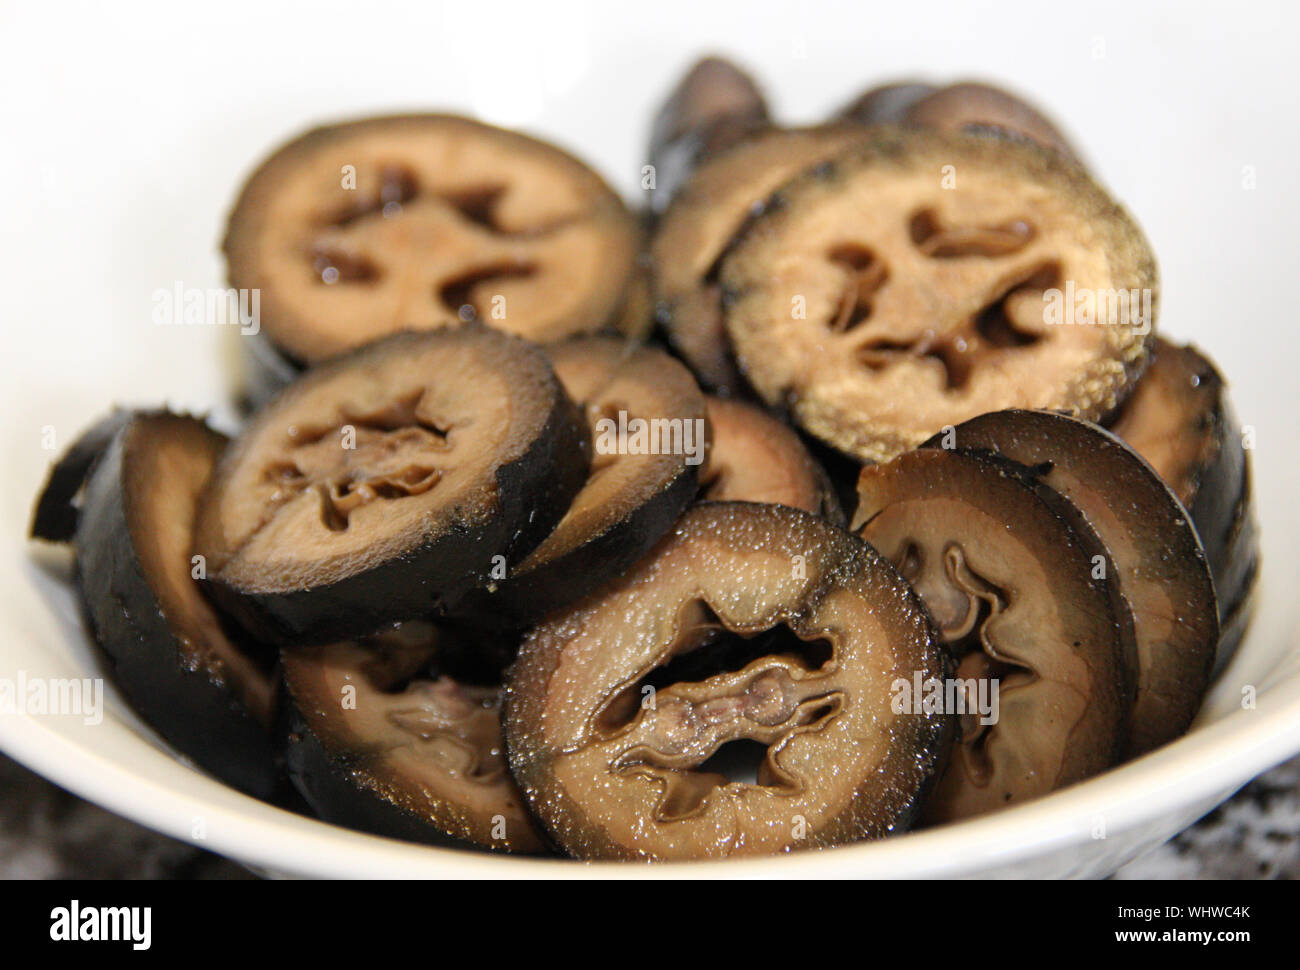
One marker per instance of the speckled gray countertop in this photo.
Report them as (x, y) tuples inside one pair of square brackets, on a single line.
[(46, 833)]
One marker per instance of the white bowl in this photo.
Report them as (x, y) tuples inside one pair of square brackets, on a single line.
[(129, 150)]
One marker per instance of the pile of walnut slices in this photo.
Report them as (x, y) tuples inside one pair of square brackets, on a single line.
[(535, 537)]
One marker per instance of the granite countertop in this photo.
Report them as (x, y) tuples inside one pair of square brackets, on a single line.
[(46, 833)]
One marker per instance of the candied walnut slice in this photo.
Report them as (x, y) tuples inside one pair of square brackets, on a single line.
[(966, 106), (915, 281), (1179, 418), (756, 458), (731, 695), (705, 216), (380, 485), (206, 689), (1007, 570), (358, 230), (1160, 566), (974, 107), (715, 105), (56, 514), (886, 104), (416, 752)]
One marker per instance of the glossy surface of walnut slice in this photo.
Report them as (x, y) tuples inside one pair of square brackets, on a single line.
[(386, 735), (1179, 418), (1159, 564), (380, 486), (202, 685), (1010, 575), (731, 695), (880, 301)]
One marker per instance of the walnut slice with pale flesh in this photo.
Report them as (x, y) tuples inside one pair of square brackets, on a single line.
[(706, 214), (383, 485), (754, 457), (730, 695), (358, 230), (920, 279)]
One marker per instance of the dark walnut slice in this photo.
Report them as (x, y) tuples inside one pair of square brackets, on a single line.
[(380, 485), (204, 689), (842, 470), (636, 489), (880, 306), (55, 517), (263, 372), (1236, 574), (355, 231), (704, 217), (963, 107), (714, 106), (885, 104), (1006, 571), (389, 736), (1159, 563), (1177, 419), (755, 458), (1180, 420), (729, 696), (974, 108)]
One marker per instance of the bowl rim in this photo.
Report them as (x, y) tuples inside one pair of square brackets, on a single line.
[(1210, 762)]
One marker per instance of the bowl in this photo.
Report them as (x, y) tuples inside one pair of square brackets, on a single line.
[(133, 151)]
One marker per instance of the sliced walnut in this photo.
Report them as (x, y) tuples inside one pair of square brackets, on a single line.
[(381, 485), (1016, 584), (756, 458), (715, 105), (1179, 418), (202, 685), (635, 490), (385, 735), (1160, 567), (730, 695), (908, 285), (967, 106), (355, 231), (706, 214), (972, 107), (885, 104)]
